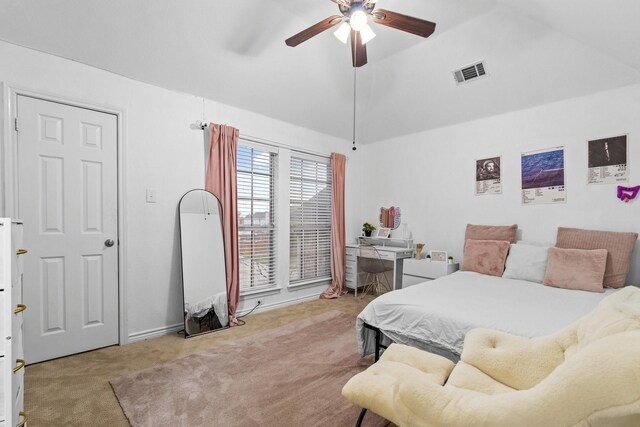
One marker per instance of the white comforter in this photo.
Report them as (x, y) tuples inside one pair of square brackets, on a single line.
[(439, 313)]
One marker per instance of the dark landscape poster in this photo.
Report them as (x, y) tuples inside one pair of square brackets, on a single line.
[(542, 173)]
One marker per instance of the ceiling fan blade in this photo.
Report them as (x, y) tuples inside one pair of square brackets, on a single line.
[(412, 25), (313, 30), (358, 50), (345, 3)]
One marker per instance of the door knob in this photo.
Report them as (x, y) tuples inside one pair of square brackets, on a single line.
[(109, 242)]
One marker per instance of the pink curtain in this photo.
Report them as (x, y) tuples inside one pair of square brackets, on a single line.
[(221, 181), (338, 260)]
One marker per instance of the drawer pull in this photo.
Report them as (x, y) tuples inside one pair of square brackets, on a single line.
[(25, 418), (20, 308), (21, 251), (20, 365)]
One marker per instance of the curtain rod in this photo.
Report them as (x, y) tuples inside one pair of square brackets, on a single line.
[(274, 144)]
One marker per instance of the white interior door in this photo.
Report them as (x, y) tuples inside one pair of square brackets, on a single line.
[(67, 198)]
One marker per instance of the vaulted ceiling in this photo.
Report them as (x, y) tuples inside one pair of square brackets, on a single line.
[(233, 51)]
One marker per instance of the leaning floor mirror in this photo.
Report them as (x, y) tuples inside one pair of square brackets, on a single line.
[(204, 278)]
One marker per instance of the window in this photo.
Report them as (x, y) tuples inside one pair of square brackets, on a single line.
[(310, 234), (256, 217)]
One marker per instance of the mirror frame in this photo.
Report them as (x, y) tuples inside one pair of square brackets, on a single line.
[(224, 250)]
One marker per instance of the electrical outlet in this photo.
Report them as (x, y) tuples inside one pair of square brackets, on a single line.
[(151, 196)]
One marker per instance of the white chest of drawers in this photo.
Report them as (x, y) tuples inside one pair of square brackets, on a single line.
[(418, 271), (11, 308)]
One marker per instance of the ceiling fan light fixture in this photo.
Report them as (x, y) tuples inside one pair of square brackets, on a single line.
[(367, 34), (353, 24), (342, 33), (358, 20)]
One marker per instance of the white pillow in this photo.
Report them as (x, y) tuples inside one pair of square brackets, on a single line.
[(526, 262)]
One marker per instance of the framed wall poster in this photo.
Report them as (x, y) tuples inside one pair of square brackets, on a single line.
[(438, 256), (542, 176), (383, 232), (608, 160), (488, 176)]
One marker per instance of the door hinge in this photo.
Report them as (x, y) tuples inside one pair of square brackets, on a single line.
[(15, 121)]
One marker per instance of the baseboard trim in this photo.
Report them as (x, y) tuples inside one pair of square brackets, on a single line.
[(166, 330), (279, 304), (153, 333)]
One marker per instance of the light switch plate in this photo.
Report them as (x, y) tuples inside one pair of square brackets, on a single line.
[(151, 196)]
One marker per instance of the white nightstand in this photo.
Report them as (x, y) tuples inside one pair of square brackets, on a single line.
[(417, 271)]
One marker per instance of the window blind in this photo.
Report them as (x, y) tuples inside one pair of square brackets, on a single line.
[(256, 217), (310, 214)]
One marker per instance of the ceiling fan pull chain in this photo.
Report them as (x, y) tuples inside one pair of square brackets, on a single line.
[(355, 86)]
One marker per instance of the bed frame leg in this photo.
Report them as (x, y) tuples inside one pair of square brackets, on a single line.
[(378, 341), (361, 417)]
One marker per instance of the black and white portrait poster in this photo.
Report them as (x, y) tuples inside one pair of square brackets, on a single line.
[(488, 179), (608, 160), (543, 176)]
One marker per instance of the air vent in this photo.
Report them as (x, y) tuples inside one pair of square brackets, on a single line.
[(470, 72)]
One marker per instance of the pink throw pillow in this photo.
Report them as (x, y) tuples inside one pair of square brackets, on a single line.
[(619, 247), (485, 256), (580, 269), (491, 232)]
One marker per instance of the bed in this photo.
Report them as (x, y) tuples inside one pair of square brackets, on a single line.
[(436, 315)]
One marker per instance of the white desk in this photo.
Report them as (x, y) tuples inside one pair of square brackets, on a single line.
[(387, 253)]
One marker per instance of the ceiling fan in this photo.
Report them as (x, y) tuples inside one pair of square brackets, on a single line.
[(354, 22)]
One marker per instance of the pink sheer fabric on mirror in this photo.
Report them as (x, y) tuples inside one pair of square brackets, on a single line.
[(221, 180), (338, 241)]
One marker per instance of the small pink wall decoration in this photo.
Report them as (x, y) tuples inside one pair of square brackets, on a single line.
[(626, 194)]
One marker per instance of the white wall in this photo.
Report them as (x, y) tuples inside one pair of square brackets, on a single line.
[(431, 175), (164, 153)]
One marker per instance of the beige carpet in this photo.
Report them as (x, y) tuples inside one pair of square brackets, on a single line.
[(288, 376), (75, 390)]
